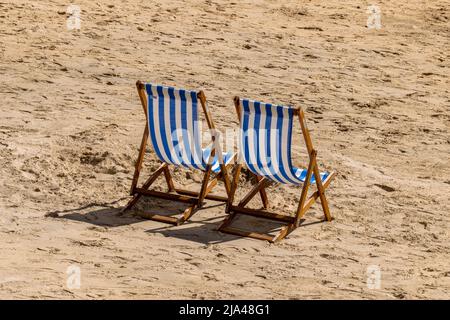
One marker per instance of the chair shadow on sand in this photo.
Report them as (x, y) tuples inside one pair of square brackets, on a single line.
[(107, 216), (111, 216), (205, 231), (199, 230)]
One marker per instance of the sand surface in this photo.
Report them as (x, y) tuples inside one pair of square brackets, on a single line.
[(377, 104)]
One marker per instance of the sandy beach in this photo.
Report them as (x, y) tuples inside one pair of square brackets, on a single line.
[(377, 103)]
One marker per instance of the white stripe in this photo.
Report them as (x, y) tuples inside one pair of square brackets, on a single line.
[(192, 124), (263, 140), (180, 132), (274, 148), (167, 128), (284, 150)]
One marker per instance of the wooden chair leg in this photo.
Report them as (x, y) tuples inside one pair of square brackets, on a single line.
[(169, 180), (138, 164), (202, 193), (262, 193), (299, 213), (226, 221), (186, 214), (225, 178), (309, 146), (285, 230), (321, 190), (234, 184)]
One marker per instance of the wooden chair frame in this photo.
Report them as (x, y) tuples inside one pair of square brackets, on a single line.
[(305, 203), (194, 199)]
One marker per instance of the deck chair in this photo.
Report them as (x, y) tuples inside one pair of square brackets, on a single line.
[(173, 128), (265, 149)]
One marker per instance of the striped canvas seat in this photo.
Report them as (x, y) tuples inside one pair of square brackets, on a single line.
[(265, 149), (174, 129), (266, 137)]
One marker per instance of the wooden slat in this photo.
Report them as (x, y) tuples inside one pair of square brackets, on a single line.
[(190, 193), (262, 214), (154, 176), (168, 196), (158, 217), (260, 185), (312, 199), (242, 233)]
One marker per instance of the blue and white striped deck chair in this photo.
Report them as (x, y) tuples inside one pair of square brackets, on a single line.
[(173, 128), (265, 149)]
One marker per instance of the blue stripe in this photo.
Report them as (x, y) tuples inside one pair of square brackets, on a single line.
[(245, 130), (151, 120), (258, 128)]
